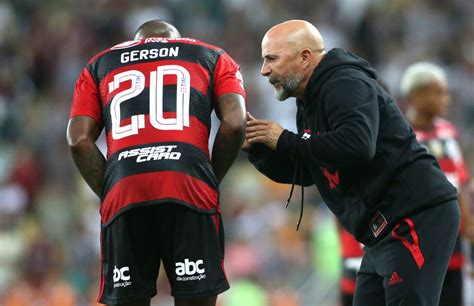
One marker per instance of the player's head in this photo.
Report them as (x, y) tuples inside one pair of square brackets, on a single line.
[(425, 87), (157, 28), (290, 52)]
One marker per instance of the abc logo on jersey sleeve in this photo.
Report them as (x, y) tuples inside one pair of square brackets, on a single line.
[(190, 270)]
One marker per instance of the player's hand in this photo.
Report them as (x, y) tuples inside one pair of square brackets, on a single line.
[(263, 131), (247, 145)]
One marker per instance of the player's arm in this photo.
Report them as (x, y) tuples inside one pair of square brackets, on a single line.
[(465, 202), (82, 132), (467, 218), (85, 125), (230, 109)]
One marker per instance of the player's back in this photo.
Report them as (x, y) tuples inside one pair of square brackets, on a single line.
[(155, 98)]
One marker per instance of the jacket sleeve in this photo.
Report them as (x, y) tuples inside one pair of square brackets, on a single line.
[(351, 109), (277, 166)]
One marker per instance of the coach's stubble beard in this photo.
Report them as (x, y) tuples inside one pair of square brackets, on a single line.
[(288, 83)]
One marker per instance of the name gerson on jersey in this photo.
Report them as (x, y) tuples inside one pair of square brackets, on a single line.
[(154, 98), (145, 54)]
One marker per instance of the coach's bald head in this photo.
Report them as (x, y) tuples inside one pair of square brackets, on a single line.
[(157, 28), (296, 34), (291, 51)]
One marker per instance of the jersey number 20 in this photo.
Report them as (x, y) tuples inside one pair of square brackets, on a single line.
[(157, 119)]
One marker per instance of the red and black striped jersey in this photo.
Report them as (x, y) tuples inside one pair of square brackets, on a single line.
[(443, 142), (154, 97)]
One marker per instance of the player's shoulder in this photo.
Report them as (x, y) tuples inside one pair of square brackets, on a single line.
[(193, 41), (119, 46), (157, 40), (443, 123), (445, 126)]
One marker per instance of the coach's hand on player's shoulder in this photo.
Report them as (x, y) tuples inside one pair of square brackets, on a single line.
[(262, 131)]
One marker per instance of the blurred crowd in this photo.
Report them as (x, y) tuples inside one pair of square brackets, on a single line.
[(49, 223)]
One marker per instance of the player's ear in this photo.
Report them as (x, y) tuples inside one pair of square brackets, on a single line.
[(306, 55)]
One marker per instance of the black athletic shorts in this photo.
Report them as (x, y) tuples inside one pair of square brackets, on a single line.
[(408, 266), (452, 293), (190, 245)]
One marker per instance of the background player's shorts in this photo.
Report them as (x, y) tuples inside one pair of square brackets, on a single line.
[(452, 293), (190, 244), (350, 266)]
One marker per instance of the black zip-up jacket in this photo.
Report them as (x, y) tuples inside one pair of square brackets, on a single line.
[(354, 143)]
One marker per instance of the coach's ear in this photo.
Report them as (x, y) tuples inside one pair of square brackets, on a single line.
[(306, 57)]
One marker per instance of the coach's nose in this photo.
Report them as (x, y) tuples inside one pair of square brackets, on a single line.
[(265, 70)]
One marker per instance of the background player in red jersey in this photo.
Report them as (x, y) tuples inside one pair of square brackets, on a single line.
[(351, 253), (154, 96), (425, 87)]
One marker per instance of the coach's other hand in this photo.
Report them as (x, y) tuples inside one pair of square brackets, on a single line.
[(262, 131)]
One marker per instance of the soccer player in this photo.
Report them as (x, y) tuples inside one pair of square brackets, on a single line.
[(356, 146), (425, 87), (158, 184)]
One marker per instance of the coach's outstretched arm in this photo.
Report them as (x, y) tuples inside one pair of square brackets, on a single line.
[(230, 109), (352, 111), (82, 132)]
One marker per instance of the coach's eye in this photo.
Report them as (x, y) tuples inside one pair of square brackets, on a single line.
[(269, 59)]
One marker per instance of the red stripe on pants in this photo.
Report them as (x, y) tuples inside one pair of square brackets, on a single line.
[(414, 247)]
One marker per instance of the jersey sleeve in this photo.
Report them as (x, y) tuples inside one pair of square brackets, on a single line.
[(85, 101), (227, 77)]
